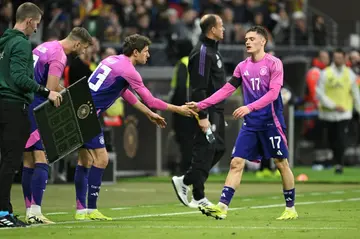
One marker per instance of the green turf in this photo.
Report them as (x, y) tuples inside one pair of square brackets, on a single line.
[(151, 210), (351, 175)]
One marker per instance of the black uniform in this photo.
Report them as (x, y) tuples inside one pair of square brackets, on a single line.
[(207, 75)]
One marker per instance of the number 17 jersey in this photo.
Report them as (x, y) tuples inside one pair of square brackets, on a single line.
[(257, 78)]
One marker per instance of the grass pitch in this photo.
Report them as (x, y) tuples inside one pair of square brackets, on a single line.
[(151, 210)]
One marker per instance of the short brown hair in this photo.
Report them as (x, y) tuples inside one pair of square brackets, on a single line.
[(135, 42), (259, 30), (28, 10), (80, 33)]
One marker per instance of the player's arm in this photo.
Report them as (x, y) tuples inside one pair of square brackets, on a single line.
[(276, 81), (226, 91), (56, 69), (321, 95), (355, 91), (199, 70), (129, 97), (137, 84)]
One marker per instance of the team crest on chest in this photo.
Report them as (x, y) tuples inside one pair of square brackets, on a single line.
[(219, 62), (263, 70)]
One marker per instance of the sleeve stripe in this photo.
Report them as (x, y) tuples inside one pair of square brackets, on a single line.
[(202, 60), (277, 62)]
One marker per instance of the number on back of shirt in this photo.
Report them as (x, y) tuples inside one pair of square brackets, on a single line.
[(35, 58), (255, 83), (102, 72), (275, 141)]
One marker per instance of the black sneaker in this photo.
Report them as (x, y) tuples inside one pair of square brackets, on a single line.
[(7, 221), (18, 222)]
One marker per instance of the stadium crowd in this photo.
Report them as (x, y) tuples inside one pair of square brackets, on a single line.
[(161, 20)]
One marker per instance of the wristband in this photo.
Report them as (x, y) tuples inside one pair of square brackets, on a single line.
[(43, 91)]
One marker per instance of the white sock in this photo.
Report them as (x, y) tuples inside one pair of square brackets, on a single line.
[(91, 210), (81, 211), (35, 209), (27, 211), (291, 208), (223, 206)]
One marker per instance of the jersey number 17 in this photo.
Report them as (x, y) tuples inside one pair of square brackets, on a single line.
[(255, 83)]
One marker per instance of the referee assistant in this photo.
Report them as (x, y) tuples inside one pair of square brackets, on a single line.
[(17, 88), (207, 75)]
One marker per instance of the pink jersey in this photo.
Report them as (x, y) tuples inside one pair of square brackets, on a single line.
[(261, 84), (49, 59), (111, 80)]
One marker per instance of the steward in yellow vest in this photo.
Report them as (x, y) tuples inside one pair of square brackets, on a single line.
[(337, 93)]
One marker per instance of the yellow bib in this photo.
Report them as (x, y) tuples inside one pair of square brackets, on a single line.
[(338, 88), (185, 61)]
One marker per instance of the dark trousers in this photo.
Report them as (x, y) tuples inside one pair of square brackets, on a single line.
[(14, 132), (184, 134), (337, 137), (205, 155)]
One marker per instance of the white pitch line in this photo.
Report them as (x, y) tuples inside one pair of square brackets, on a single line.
[(195, 212), (337, 192), (315, 194), (132, 190), (206, 227), (56, 213)]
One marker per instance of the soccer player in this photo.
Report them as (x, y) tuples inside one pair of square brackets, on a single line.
[(262, 134), (49, 63), (112, 78)]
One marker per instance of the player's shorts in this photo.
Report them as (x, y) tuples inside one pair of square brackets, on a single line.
[(256, 145), (34, 141), (97, 142)]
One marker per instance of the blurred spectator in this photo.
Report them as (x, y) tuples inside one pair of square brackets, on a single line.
[(108, 52), (192, 30), (143, 25), (281, 30), (113, 30), (354, 58), (319, 31), (300, 34), (97, 20), (242, 15), (176, 29), (81, 8), (228, 21), (212, 6), (6, 11), (319, 63)]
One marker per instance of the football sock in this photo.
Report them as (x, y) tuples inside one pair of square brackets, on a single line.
[(81, 184), (95, 178), (289, 196), (226, 195), (38, 182), (26, 179)]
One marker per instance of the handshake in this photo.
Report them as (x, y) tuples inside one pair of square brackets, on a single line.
[(190, 109)]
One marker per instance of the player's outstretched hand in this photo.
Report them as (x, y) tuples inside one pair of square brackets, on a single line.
[(157, 119), (193, 105), (186, 111), (55, 97), (241, 112)]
